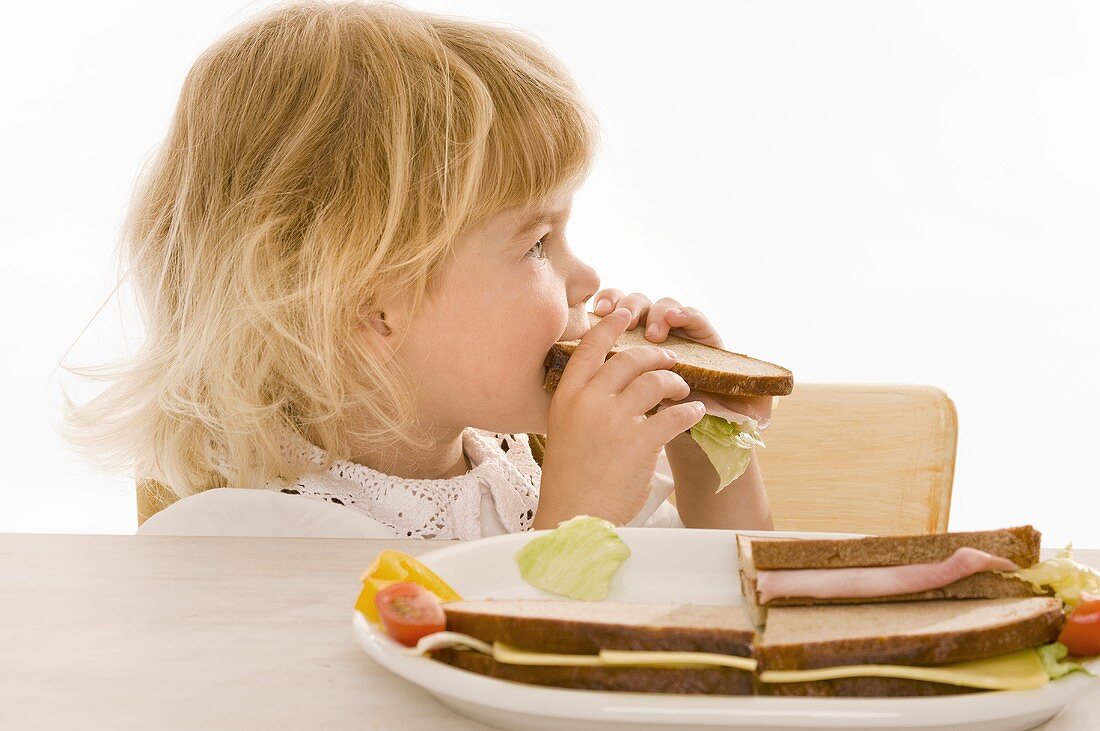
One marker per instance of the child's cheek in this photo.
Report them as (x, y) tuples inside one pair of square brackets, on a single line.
[(542, 324)]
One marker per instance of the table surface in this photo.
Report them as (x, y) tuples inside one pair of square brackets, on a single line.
[(185, 632)]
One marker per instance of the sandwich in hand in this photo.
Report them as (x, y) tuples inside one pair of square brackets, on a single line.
[(726, 435)]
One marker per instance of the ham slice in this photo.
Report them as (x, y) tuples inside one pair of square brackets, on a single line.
[(876, 581), (755, 408)]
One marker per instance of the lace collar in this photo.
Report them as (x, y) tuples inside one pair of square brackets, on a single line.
[(502, 466)]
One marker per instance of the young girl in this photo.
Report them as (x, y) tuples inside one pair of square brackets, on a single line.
[(350, 257)]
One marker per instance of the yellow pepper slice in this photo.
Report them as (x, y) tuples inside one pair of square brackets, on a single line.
[(392, 567)]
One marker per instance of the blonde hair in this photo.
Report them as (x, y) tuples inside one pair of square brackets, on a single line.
[(322, 157)]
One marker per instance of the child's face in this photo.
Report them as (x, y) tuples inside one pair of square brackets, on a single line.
[(475, 350)]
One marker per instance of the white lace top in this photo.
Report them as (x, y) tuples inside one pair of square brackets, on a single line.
[(499, 494), (502, 470)]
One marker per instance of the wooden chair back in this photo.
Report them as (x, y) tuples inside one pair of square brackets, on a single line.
[(861, 459)]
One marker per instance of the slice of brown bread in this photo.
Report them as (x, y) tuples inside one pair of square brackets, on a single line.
[(713, 680), (704, 367), (913, 633), (1019, 545), (585, 628)]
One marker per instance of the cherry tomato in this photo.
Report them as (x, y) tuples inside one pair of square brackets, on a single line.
[(409, 611), (1082, 631), (392, 567)]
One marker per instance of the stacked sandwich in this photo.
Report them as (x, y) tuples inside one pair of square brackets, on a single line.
[(878, 616), (606, 645)]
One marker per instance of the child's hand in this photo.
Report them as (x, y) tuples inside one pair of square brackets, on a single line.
[(667, 316), (601, 448), (662, 317)]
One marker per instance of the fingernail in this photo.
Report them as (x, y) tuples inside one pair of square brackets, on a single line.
[(621, 312), (671, 353), (676, 312), (602, 306), (652, 330)]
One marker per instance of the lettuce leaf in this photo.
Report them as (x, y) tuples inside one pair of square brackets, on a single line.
[(576, 559), (1054, 662), (727, 445), (1068, 578)]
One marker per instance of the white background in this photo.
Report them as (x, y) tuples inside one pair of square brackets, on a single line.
[(897, 192)]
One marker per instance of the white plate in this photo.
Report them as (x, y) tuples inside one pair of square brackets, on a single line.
[(681, 565)]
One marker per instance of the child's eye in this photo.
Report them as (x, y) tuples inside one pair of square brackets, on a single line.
[(537, 248)]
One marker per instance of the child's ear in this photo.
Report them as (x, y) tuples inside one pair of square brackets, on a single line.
[(378, 334), (382, 324), (377, 320), (376, 331)]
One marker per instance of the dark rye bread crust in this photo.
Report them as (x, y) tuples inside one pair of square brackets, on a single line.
[(704, 367), (930, 648), (581, 637), (716, 681), (1019, 545)]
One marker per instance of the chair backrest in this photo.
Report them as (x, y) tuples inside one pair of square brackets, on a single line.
[(846, 458), (861, 459)]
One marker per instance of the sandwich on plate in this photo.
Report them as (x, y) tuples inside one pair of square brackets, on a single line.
[(727, 435), (884, 615), (907, 649), (918, 648), (908, 631), (661, 648), (778, 572)]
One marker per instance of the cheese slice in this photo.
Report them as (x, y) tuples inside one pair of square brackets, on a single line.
[(633, 658), (663, 658), (1021, 670)]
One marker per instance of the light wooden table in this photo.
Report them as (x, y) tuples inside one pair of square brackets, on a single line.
[(151, 632)]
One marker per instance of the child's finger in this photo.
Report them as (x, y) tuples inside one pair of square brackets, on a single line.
[(639, 305), (692, 324), (656, 329), (668, 423), (626, 366), (652, 388), (606, 301), (592, 350)]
